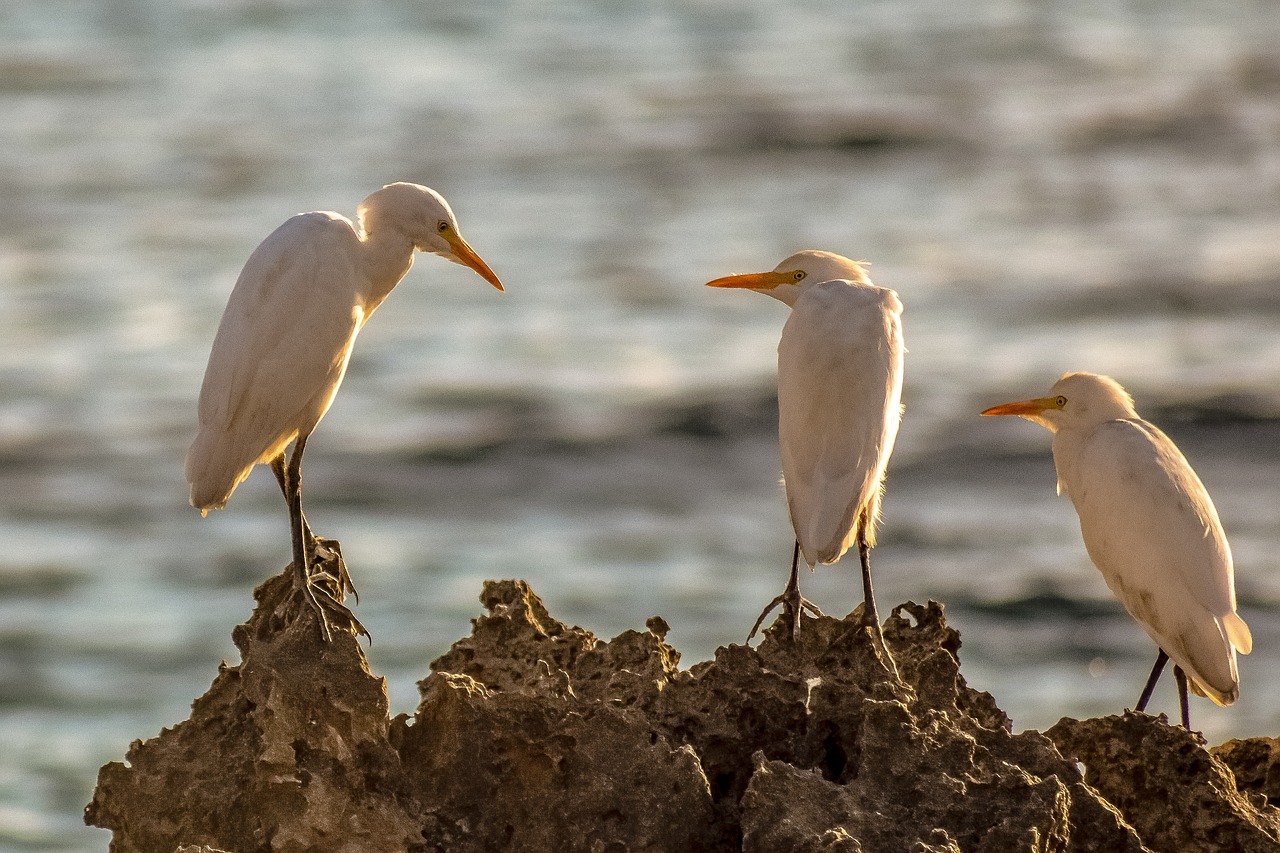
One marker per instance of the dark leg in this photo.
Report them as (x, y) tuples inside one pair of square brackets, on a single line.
[(793, 603), (870, 618), (327, 550), (304, 546), (292, 482), (277, 468), (1161, 660), (282, 477), (869, 615), (1181, 677)]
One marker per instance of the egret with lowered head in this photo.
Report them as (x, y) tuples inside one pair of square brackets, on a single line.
[(1150, 528), (839, 406), (283, 345)]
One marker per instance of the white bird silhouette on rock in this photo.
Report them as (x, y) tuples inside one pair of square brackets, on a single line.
[(1151, 529), (840, 362), (283, 345)]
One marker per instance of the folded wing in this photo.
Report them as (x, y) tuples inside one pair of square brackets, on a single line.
[(839, 366), (1152, 530), (280, 352)]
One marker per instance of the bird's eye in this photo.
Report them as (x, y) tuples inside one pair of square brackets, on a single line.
[(443, 226), (1060, 402), (798, 275)]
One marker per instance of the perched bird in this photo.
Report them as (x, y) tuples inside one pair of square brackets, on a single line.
[(284, 342), (839, 405), (1150, 528)]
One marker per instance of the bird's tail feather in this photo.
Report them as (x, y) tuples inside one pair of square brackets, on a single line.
[(213, 477), (1237, 632)]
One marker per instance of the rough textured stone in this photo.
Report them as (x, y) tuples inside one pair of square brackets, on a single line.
[(1255, 762), (534, 735), (929, 766), (1176, 794), (286, 752), (511, 771)]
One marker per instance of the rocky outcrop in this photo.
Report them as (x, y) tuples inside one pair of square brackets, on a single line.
[(1132, 763), (532, 735)]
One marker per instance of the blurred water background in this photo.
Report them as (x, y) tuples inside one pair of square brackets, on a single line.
[(1049, 186)]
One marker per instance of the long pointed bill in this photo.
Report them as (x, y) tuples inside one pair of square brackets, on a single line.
[(468, 257), (753, 281), (1025, 408)]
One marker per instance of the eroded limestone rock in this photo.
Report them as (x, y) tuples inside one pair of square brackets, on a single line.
[(1255, 762), (532, 735), (286, 752), (1178, 795)]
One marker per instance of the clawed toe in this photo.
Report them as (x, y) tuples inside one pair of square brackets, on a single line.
[(318, 591), (330, 551), (327, 604), (325, 585), (793, 605), (763, 613)]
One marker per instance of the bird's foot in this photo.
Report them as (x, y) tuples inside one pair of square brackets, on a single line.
[(331, 605), (871, 623), (329, 551), (793, 604), (324, 589)]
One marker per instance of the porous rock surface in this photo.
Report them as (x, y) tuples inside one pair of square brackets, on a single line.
[(536, 736)]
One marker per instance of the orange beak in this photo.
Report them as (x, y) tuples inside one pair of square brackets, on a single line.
[(465, 254), (1024, 408), (753, 281)]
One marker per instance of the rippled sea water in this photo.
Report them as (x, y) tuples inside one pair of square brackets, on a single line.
[(1048, 186)]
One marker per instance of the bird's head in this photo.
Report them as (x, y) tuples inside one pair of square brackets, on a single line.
[(1075, 400), (426, 219), (803, 269)]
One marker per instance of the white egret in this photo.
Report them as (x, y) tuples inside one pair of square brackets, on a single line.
[(284, 342), (839, 406), (1150, 528)]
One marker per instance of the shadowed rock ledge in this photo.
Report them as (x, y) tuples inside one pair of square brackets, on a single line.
[(535, 736)]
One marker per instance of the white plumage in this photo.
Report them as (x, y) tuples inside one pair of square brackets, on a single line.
[(1148, 524), (281, 351), (840, 363), (839, 406), (286, 336)]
